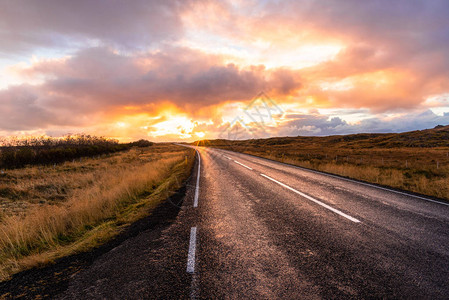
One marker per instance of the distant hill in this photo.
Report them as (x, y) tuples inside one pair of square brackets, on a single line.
[(428, 138)]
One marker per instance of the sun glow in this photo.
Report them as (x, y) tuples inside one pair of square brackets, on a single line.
[(175, 125), (120, 124)]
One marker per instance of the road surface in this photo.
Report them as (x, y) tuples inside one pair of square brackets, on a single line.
[(258, 229)]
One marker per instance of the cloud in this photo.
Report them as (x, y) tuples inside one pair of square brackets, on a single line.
[(317, 124), (25, 25), (394, 54), (102, 81), (23, 109)]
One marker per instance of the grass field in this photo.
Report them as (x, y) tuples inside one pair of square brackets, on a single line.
[(415, 161), (53, 211)]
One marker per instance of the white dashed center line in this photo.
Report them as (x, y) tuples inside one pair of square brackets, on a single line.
[(314, 200), (242, 165), (197, 188)]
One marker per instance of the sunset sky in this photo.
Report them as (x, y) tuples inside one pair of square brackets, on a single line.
[(185, 70)]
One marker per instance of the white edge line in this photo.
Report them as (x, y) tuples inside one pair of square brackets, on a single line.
[(348, 179), (242, 165), (197, 187), (192, 250), (227, 157), (314, 200)]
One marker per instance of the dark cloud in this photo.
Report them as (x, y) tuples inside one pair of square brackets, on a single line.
[(25, 25), (23, 108), (398, 22)]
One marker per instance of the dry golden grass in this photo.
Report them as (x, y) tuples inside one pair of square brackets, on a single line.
[(99, 196)]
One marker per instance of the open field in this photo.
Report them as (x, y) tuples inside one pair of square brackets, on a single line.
[(415, 161), (49, 212)]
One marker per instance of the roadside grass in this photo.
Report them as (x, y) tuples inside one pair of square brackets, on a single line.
[(100, 198)]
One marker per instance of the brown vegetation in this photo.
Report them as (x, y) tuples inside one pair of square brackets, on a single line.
[(17, 153), (416, 161), (49, 212)]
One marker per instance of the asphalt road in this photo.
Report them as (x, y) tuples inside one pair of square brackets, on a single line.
[(257, 229)]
